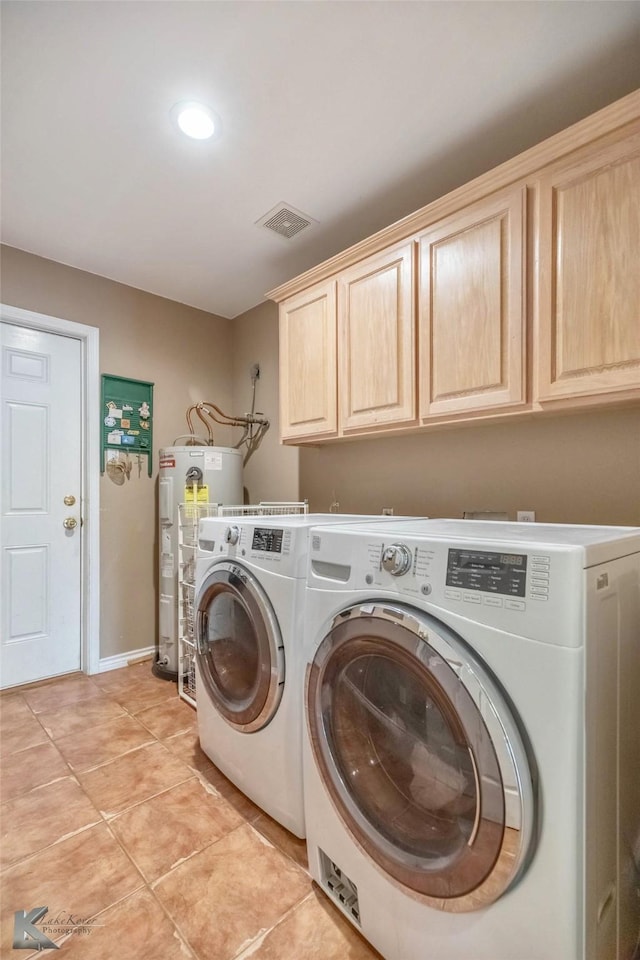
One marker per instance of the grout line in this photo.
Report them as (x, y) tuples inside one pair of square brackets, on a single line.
[(25, 858), (177, 929), (35, 717), (192, 773), (138, 803), (179, 863), (111, 759), (277, 845), (69, 708), (154, 883), (41, 743), (144, 885), (186, 859), (175, 733), (25, 793), (129, 856), (44, 683), (150, 885), (248, 949), (97, 696)]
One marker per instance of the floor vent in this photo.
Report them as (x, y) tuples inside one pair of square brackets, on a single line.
[(285, 220), (343, 890)]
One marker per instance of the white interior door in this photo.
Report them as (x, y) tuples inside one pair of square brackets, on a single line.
[(41, 412)]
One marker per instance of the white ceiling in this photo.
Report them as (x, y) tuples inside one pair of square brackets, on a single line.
[(356, 113)]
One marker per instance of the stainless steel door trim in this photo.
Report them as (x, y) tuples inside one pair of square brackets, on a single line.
[(452, 665), (227, 577)]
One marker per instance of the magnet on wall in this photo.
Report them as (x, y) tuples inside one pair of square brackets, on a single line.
[(127, 404)]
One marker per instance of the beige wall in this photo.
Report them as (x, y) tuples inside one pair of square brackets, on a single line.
[(583, 468), (186, 353), (272, 471), (580, 468)]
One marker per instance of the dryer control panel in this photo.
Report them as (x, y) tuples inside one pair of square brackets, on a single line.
[(522, 579), (502, 584), (488, 571)]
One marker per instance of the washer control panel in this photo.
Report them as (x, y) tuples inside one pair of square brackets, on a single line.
[(267, 539)]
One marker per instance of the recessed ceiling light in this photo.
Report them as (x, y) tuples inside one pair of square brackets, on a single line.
[(195, 120)]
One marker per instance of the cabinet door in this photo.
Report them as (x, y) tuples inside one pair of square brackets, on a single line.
[(588, 288), (308, 375), (472, 309), (376, 341)]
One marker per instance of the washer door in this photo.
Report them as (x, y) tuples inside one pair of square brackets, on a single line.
[(421, 755), (239, 647)]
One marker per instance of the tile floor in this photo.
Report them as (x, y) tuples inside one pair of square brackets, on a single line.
[(110, 812)]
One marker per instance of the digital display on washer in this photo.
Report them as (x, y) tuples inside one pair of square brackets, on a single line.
[(268, 539), (491, 572)]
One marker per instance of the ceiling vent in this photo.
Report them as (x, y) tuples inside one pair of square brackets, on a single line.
[(285, 220)]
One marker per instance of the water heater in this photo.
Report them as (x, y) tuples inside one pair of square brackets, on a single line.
[(211, 475)]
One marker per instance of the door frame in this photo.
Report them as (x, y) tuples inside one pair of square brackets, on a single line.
[(89, 338)]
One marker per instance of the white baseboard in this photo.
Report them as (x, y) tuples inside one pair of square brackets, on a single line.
[(124, 659)]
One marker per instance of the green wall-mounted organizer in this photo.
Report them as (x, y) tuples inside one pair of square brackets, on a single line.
[(127, 417)]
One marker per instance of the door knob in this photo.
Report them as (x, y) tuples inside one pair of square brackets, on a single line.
[(69, 500), (70, 523)]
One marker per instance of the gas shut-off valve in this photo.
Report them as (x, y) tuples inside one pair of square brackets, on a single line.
[(396, 559)]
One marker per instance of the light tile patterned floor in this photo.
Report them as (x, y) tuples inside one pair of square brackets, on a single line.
[(110, 812)]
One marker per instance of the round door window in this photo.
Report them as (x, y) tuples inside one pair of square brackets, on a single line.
[(408, 754), (239, 648)]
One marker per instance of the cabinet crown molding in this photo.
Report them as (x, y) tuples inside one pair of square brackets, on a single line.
[(622, 113)]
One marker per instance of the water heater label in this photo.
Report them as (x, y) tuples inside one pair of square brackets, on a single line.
[(167, 462), (202, 494), (213, 461)]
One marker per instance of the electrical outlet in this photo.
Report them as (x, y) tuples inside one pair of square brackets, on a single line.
[(526, 516), (255, 371), (387, 511)]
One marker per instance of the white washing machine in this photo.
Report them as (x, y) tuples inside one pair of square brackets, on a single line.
[(250, 585), (472, 738)]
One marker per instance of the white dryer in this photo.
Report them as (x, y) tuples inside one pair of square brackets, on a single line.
[(250, 585), (471, 746)]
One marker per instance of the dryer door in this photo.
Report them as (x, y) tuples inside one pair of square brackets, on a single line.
[(421, 755), (239, 647)]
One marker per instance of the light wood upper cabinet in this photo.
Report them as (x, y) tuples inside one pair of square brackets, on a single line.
[(376, 334), (472, 309), (588, 283), (515, 292), (308, 372)]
